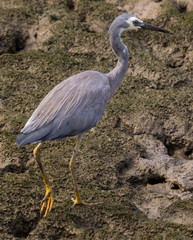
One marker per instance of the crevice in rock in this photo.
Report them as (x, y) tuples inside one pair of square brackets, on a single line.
[(136, 181), (156, 180), (175, 186), (117, 123), (70, 4), (22, 225), (13, 41), (182, 8), (179, 151), (189, 153), (19, 43), (14, 168)]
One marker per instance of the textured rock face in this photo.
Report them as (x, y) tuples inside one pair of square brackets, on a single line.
[(138, 160)]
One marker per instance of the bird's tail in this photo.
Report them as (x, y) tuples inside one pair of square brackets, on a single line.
[(24, 139), (35, 136)]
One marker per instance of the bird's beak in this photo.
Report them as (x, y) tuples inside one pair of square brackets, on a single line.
[(153, 28)]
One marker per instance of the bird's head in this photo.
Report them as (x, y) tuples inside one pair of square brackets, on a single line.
[(129, 22)]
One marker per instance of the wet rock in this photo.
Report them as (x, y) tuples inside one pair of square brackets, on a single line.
[(137, 162)]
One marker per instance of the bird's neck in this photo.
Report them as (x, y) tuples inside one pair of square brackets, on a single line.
[(117, 74)]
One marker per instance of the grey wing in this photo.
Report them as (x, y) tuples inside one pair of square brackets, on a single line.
[(72, 107)]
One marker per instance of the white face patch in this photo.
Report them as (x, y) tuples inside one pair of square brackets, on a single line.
[(131, 25)]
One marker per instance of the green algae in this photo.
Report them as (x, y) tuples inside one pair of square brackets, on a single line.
[(28, 76)]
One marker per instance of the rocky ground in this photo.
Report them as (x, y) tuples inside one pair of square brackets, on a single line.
[(138, 161)]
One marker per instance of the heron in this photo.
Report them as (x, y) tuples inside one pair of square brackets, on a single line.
[(76, 105)]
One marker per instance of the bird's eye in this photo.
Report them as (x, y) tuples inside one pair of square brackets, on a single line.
[(135, 23)]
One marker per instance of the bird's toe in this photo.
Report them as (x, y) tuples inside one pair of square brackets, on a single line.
[(47, 202)]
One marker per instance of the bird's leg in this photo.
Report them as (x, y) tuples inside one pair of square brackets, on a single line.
[(48, 199), (77, 200), (72, 170)]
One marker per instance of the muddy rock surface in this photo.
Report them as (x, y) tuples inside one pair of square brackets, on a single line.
[(137, 163)]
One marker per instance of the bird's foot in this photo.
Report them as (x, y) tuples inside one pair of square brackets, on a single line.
[(47, 201), (78, 201)]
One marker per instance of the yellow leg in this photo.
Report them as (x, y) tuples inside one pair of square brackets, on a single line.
[(77, 200), (48, 199)]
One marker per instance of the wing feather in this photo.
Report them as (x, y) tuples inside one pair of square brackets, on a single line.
[(73, 106)]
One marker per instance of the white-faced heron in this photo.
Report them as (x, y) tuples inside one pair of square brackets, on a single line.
[(76, 104)]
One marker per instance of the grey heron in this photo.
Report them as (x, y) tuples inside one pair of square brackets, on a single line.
[(76, 104)]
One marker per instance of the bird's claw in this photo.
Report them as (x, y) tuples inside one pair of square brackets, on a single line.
[(47, 200), (82, 202)]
